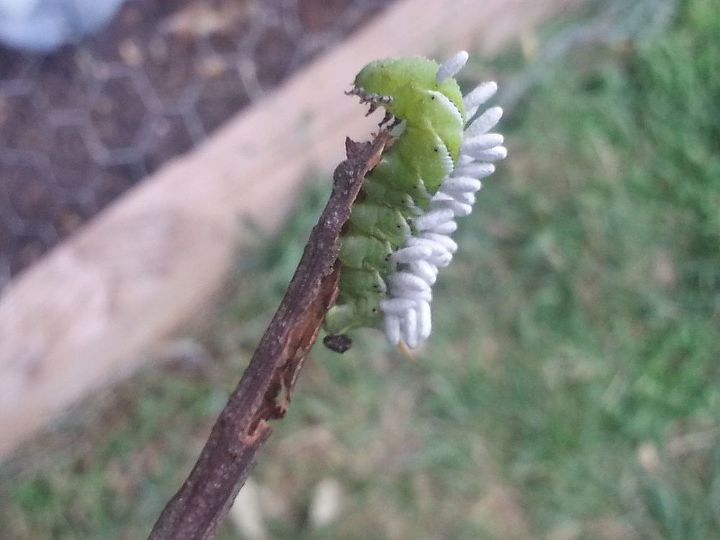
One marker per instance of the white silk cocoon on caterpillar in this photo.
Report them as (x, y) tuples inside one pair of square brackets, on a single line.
[(406, 310)]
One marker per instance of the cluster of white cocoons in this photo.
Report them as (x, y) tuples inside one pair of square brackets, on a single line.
[(406, 311)]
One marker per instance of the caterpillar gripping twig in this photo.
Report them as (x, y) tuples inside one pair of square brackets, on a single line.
[(398, 235)]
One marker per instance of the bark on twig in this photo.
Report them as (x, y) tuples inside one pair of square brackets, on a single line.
[(264, 392)]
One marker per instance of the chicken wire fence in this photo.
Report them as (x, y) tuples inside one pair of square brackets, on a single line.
[(81, 125)]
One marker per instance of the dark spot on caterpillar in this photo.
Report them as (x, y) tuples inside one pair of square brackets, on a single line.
[(398, 226), (432, 97), (374, 310), (387, 257), (436, 149)]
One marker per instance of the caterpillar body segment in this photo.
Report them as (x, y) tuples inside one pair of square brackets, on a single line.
[(380, 221), (424, 154), (363, 280), (377, 191), (365, 252), (394, 174)]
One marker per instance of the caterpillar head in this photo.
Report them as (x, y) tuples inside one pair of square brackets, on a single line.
[(401, 86)]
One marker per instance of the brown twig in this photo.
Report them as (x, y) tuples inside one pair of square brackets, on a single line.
[(264, 392)]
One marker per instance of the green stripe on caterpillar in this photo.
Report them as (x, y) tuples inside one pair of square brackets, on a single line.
[(398, 233)]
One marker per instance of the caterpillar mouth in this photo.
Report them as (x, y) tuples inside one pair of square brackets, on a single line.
[(375, 100)]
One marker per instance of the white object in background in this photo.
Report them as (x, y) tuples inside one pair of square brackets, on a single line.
[(326, 503), (45, 25), (246, 513)]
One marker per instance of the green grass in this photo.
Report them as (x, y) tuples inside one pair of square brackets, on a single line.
[(570, 388)]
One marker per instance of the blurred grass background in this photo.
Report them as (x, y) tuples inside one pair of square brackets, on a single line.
[(569, 391)]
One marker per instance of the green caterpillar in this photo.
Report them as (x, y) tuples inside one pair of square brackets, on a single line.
[(431, 116)]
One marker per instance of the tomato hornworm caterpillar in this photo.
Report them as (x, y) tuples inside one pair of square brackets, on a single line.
[(399, 231)]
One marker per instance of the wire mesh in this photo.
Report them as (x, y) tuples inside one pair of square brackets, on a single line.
[(81, 126)]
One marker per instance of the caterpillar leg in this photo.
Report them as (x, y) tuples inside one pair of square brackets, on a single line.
[(340, 319), (353, 313), (338, 343)]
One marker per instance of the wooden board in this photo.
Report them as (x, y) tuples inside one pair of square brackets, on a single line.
[(90, 311)]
